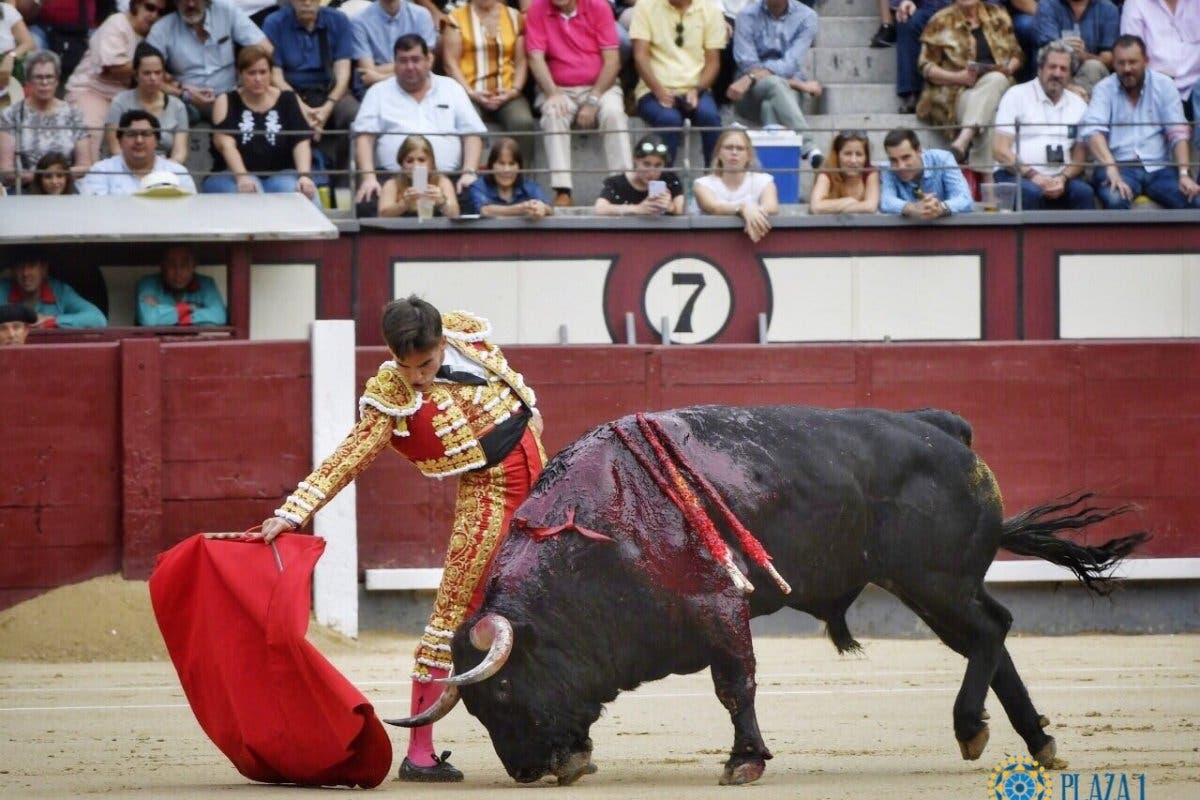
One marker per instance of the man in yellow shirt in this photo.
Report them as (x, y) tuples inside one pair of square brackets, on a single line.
[(677, 48)]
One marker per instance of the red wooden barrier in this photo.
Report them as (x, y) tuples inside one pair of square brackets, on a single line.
[(117, 451)]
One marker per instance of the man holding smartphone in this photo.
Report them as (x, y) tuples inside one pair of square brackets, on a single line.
[(1035, 139)]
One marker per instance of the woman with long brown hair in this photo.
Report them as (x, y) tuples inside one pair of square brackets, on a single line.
[(847, 184), (400, 197)]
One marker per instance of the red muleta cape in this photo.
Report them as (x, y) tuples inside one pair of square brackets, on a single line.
[(234, 626)]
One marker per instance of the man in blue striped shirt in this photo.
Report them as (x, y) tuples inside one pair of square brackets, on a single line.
[(1134, 127)]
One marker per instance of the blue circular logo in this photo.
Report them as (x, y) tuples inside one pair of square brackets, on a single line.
[(1019, 778)]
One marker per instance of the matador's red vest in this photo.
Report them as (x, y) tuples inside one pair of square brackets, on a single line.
[(439, 430)]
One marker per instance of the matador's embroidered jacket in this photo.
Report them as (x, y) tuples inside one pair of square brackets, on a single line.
[(439, 431)]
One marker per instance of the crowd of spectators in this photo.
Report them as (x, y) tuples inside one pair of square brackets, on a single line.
[(1031, 92)]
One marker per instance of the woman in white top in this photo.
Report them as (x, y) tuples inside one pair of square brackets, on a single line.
[(106, 69), (15, 43), (734, 190)]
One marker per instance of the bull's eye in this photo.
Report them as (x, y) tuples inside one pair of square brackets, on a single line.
[(503, 690)]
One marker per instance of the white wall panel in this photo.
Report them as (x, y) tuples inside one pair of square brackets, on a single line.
[(1126, 296), (847, 299), (283, 300), (525, 301)]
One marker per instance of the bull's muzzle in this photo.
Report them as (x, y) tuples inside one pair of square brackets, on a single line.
[(492, 633)]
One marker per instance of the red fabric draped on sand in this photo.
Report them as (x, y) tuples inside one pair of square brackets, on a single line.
[(234, 625)]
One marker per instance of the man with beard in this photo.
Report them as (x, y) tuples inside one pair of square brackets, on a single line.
[(198, 41), (417, 101), (1046, 155), (137, 133), (1134, 127)]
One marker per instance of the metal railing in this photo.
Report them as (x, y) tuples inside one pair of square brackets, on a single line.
[(688, 166)]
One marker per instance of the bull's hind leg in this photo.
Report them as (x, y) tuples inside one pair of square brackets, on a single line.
[(970, 627), (1025, 719), (733, 677), (733, 666)]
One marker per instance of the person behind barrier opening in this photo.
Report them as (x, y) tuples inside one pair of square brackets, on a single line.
[(15, 321), (450, 403), (177, 295), (56, 304)]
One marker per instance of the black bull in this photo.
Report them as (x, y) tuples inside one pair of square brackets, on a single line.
[(838, 498)]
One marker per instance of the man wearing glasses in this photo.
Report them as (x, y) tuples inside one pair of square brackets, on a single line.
[(677, 48), (137, 133)]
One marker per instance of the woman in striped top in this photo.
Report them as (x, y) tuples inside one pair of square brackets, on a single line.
[(486, 54)]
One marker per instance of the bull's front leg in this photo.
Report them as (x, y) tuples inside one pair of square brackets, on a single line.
[(733, 677)]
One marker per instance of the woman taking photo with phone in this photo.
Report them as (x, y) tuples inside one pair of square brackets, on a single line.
[(647, 189)]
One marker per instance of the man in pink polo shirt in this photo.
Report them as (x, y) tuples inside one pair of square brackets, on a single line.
[(572, 47)]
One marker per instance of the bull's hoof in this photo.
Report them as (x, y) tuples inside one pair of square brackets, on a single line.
[(578, 765), (743, 772), (973, 747), (1048, 756)]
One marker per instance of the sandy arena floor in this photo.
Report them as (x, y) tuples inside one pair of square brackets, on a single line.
[(873, 726)]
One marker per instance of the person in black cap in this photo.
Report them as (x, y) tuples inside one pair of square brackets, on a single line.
[(15, 320)]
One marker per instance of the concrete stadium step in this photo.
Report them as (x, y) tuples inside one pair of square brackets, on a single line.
[(830, 9), (852, 98), (860, 65), (846, 32), (825, 127)]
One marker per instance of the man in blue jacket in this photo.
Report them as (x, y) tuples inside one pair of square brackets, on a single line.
[(177, 295), (56, 304)]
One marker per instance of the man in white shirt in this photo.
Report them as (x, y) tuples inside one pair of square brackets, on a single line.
[(417, 101), (1035, 139), (137, 133)]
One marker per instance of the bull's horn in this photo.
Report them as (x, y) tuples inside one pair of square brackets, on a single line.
[(440, 708), (492, 633)]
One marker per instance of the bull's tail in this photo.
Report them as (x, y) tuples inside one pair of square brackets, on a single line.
[(1032, 533)]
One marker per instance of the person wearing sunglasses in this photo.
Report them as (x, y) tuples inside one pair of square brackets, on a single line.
[(106, 69), (649, 189), (771, 41), (677, 48), (137, 135)]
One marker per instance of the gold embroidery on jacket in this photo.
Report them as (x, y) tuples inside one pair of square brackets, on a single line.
[(478, 519), (356, 452)]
